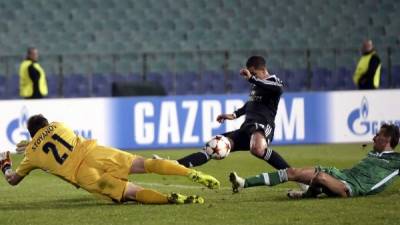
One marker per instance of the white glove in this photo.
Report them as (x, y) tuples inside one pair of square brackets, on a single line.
[(21, 146), (3, 155), (5, 161)]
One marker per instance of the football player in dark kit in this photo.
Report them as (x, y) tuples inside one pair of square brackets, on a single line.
[(257, 131)]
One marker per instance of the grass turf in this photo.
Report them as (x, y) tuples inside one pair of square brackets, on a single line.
[(44, 199)]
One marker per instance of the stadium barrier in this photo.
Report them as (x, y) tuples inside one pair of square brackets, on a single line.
[(84, 75), (189, 121)]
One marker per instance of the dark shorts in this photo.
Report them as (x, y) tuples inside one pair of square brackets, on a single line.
[(241, 137)]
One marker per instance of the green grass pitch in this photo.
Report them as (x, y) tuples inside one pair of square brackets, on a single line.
[(44, 199)]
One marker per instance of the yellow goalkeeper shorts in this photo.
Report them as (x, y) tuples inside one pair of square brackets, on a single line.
[(104, 171)]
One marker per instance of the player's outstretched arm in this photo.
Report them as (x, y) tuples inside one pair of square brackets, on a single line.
[(221, 118), (238, 113), (5, 165), (13, 178)]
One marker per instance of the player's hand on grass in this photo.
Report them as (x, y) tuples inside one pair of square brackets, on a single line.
[(221, 118), (20, 148), (245, 73)]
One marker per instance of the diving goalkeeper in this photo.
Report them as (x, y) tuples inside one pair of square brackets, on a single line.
[(100, 170)]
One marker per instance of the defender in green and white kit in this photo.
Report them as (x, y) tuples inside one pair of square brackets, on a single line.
[(370, 176)]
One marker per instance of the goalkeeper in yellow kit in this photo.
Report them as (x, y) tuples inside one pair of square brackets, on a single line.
[(100, 170)]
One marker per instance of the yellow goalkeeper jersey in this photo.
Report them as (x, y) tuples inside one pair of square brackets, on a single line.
[(55, 149)]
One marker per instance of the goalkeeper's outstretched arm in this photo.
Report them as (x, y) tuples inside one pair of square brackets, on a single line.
[(5, 166), (13, 178)]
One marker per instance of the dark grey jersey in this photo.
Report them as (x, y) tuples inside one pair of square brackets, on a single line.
[(263, 101)]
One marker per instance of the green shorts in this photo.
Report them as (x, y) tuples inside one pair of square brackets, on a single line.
[(350, 183)]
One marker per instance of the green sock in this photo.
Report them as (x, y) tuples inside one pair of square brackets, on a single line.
[(269, 179)]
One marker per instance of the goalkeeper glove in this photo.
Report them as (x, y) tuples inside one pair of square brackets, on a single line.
[(5, 161), (21, 146)]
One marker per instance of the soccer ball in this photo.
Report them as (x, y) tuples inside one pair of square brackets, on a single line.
[(218, 147)]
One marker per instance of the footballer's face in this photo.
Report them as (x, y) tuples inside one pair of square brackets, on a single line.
[(34, 54), (381, 142), (260, 73), (367, 46)]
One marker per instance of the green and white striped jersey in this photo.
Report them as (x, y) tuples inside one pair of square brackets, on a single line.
[(375, 172)]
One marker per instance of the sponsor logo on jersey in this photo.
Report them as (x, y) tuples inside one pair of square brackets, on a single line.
[(255, 98)]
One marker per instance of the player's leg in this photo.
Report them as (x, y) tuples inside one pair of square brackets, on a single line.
[(149, 196), (106, 185), (259, 147), (261, 137), (104, 171), (168, 167), (194, 159), (323, 183), (201, 157), (100, 178), (303, 175), (309, 176), (334, 185), (158, 166)]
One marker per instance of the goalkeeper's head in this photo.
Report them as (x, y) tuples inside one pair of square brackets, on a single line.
[(35, 123)]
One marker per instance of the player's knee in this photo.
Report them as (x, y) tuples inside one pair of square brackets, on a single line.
[(258, 145), (257, 150), (292, 172), (320, 178)]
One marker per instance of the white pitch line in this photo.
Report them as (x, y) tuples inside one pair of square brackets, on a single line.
[(152, 184), (175, 185)]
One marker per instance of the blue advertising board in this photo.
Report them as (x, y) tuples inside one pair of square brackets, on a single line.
[(190, 121)]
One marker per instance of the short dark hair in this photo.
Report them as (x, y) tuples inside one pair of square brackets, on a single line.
[(258, 62), (35, 123), (393, 132), (29, 50)]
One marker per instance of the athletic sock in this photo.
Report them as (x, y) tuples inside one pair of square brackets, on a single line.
[(269, 179), (195, 159), (165, 167), (149, 196), (275, 160)]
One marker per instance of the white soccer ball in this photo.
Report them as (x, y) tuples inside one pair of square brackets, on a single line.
[(218, 147)]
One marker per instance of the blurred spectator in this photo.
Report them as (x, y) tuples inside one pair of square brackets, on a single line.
[(368, 71), (32, 78)]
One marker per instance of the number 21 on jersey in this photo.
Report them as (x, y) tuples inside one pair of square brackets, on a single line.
[(49, 146)]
